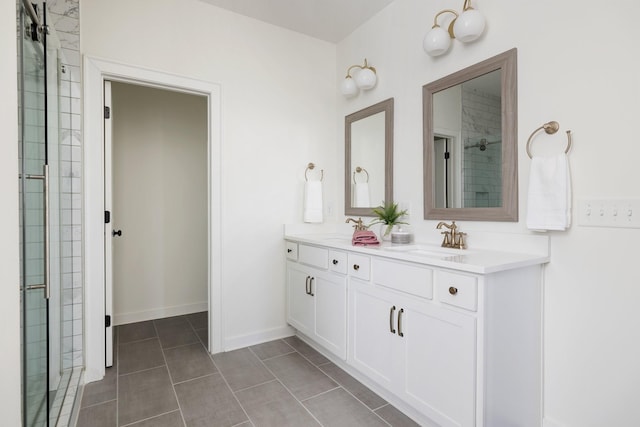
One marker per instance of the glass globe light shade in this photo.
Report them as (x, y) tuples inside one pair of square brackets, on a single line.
[(469, 26), (437, 41), (348, 87), (366, 78)]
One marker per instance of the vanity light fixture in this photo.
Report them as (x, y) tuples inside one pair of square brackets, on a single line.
[(365, 78), (466, 27)]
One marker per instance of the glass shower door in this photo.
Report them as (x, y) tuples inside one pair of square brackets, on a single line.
[(39, 212)]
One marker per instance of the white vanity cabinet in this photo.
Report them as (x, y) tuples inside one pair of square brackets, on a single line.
[(452, 341), (317, 297)]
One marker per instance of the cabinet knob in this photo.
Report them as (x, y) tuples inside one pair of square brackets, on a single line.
[(453, 290), (356, 267), (335, 262)]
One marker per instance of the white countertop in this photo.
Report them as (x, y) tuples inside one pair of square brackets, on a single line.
[(481, 261)]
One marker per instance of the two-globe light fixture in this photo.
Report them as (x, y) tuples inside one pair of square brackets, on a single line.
[(466, 27), (365, 78)]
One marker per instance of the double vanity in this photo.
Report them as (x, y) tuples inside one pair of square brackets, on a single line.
[(451, 337)]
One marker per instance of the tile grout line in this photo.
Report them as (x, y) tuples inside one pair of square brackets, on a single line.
[(173, 387), (284, 386), (231, 390)]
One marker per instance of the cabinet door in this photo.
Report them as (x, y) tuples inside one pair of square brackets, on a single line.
[(371, 340), (330, 295), (439, 347), (300, 311)]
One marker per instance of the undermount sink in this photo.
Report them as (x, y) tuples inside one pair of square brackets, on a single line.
[(428, 251)]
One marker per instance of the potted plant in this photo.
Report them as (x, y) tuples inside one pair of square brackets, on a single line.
[(388, 214)]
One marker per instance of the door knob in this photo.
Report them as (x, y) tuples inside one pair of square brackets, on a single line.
[(116, 233)]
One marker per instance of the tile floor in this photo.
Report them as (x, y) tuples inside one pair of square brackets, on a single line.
[(163, 377)]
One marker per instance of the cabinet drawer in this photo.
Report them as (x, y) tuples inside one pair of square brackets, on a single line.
[(457, 289), (410, 278), (311, 255), (292, 251), (338, 262), (359, 266)]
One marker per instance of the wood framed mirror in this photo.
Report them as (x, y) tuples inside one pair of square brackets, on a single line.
[(368, 176), (470, 142)]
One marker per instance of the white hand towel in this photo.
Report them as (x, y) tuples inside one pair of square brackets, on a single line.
[(312, 201), (549, 200), (361, 195)]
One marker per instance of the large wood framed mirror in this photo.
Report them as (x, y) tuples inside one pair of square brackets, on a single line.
[(470, 142), (368, 168)]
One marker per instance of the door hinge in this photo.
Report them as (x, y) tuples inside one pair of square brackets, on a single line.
[(107, 217), (107, 321), (107, 112)]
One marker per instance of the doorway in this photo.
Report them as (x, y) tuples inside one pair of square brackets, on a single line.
[(97, 72), (156, 199)]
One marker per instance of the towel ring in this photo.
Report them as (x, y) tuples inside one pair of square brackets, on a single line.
[(550, 128), (358, 170), (311, 166)]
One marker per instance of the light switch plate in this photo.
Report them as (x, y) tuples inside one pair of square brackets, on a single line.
[(618, 213)]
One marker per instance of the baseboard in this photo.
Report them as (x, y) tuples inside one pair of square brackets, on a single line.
[(159, 313), (241, 341), (548, 422)]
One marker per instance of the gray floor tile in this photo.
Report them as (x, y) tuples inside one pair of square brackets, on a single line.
[(338, 408), (102, 415), (101, 391), (175, 331), (139, 355), (135, 332), (271, 404), (306, 350), (241, 368), (271, 349), (203, 334), (207, 401), (172, 419), (302, 378), (199, 320), (353, 386), (145, 394), (188, 362), (396, 418)]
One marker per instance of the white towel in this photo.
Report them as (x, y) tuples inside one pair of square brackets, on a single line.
[(312, 201), (549, 201), (361, 195)]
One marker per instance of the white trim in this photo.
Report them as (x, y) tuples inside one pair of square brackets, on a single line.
[(177, 310), (548, 422), (241, 341), (96, 71)]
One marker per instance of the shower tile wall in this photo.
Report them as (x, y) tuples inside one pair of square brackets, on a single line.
[(482, 169), (64, 16)]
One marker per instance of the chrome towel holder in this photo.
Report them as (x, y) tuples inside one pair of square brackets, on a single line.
[(550, 128), (311, 166), (359, 170)]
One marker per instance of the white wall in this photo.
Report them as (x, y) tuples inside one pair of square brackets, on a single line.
[(578, 66), (9, 244), (278, 109), (159, 203)]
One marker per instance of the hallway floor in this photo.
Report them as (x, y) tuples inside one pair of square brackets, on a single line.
[(163, 377)]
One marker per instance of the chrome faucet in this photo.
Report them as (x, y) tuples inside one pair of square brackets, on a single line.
[(359, 226), (452, 238)]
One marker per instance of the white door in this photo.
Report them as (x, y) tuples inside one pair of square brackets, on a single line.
[(108, 226), (300, 304), (330, 295)]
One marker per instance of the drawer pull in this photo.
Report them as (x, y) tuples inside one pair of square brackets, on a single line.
[(356, 267), (400, 322), (453, 290), (393, 331), (289, 251), (311, 286), (335, 262), (307, 285)]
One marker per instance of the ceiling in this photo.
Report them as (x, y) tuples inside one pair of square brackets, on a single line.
[(329, 20)]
